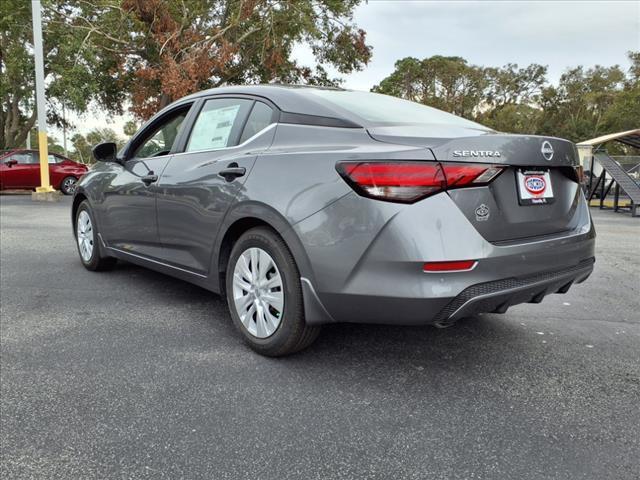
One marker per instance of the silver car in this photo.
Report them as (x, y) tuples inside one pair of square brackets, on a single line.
[(306, 206)]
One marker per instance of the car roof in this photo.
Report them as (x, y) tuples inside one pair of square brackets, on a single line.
[(288, 98), (10, 151)]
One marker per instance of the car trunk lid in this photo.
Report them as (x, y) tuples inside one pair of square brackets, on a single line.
[(511, 206)]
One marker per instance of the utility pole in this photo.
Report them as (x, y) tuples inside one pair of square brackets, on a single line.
[(64, 131), (45, 190)]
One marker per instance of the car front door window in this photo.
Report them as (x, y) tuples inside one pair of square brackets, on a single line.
[(161, 139), (24, 158)]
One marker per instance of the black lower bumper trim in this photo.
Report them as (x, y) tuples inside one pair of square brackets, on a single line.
[(498, 295)]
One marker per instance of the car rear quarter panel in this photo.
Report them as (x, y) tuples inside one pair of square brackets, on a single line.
[(297, 175), (297, 178)]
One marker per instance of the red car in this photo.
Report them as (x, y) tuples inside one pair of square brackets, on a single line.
[(21, 169)]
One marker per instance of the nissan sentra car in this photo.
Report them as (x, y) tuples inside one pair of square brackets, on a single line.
[(308, 206), (20, 169)]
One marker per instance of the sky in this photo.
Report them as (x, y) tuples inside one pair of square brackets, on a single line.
[(559, 34)]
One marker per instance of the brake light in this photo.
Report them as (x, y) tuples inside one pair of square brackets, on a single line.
[(407, 182)]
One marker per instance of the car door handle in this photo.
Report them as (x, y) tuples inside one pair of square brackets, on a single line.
[(149, 179), (230, 173)]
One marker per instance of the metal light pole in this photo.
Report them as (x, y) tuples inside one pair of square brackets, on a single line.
[(64, 131), (45, 186)]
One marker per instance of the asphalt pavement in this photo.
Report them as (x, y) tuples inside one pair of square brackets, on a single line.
[(133, 374)]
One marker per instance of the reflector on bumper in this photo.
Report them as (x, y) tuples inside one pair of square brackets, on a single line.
[(455, 266)]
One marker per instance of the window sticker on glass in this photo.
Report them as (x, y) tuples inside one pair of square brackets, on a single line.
[(213, 127)]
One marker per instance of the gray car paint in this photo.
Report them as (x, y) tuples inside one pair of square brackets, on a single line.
[(360, 259)]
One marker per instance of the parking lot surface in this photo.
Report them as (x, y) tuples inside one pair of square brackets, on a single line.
[(132, 374)]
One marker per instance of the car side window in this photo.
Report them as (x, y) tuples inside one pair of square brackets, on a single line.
[(24, 158), (160, 140), (218, 124), (53, 159), (259, 119)]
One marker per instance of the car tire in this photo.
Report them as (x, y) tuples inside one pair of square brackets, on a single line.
[(68, 185), (268, 326), (91, 252)]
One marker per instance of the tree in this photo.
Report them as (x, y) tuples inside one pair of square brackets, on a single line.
[(82, 144), (447, 83), (624, 112), (577, 107), (584, 104), (71, 79), (147, 53), (512, 97), (130, 128), (161, 50)]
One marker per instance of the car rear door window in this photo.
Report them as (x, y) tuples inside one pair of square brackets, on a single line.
[(259, 119), (218, 124)]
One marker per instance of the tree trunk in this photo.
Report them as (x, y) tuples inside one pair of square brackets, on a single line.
[(14, 130), (165, 99), (22, 133)]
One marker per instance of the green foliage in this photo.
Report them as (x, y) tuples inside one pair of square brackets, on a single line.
[(146, 53), (75, 72), (585, 103), (130, 128), (155, 51), (447, 83), (82, 144)]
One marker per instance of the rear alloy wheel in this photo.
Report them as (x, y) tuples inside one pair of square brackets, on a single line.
[(265, 295), (68, 185), (257, 292), (87, 240)]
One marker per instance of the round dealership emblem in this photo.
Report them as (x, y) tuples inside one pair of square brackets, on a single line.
[(482, 213), (535, 185), (547, 150)]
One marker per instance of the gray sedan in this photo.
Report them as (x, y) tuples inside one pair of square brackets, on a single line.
[(306, 206)]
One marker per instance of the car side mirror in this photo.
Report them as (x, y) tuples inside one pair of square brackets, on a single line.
[(105, 152), (11, 163)]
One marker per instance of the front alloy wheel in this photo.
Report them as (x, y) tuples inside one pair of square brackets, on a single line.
[(84, 235), (87, 240)]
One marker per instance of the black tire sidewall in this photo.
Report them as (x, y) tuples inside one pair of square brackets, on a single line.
[(292, 323)]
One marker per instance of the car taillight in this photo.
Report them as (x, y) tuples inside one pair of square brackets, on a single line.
[(407, 182)]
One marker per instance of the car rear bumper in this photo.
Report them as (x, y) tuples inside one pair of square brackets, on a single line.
[(497, 296), (368, 267)]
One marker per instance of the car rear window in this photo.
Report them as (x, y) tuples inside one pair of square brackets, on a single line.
[(384, 109), (218, 124), (259, 119)]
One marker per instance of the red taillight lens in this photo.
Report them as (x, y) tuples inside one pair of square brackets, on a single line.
[(456, 266), (463, 175), (394, 181), (408, 182)]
